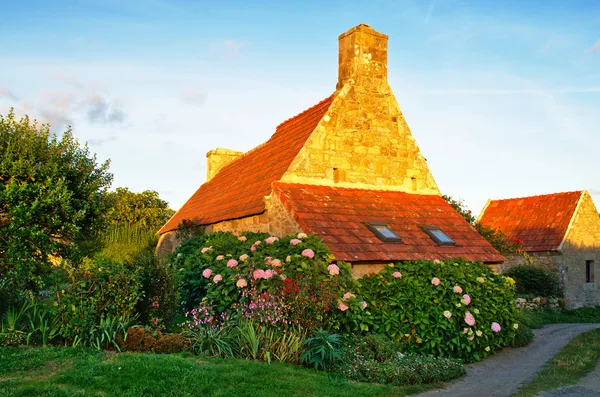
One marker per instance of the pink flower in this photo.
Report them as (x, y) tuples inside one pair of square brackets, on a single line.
[(267, 274), (253, 248), (348, 295), (241, 283), (302, 235), (457, 289), (342, 307), (271, 240), (258, 273), (397, 275), (295, 241), (364, 305), (203, 250), (217, 278), (206, 273), (333, 269), (469, 319), (232, 263), (496, 327), (436, 261), (308, 253), (447, 314), (275, 263), (220, 257), (466, 300), (243, 257), (435, 281), (268, 260)]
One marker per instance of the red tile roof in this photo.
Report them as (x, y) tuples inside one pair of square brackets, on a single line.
[(540, 222), (338, 215), (238, 189)]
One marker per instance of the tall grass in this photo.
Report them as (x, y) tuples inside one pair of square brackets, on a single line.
[(121, 243)]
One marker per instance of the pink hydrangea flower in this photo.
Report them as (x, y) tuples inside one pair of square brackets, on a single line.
[(205, 249), (397, 275), (342, 307), (267, 274), (308, 253), (457, 289), (348, 295), (217, 278), (253, 248), (496, 327), (333, 269), (271, 240), (295, 241), (275, 263), (436, 261), (243, 257), (206, 273), (435, 281), (241, 283), (258, 273), (220, 257), (242, 238), (447, 314), (364, 305), (469, 319), (302, 235), (268, 260), (466, 300), (232, 263)]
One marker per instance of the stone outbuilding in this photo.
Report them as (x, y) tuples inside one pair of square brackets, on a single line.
[(560, 232), (347, 169)]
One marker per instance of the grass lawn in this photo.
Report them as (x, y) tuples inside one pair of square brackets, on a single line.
[(55, 371), (538, 318), (574, 361)]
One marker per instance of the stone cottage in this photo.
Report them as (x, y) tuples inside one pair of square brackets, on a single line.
[(560, 232), (347, 169)]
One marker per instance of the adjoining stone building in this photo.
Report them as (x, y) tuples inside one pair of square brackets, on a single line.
[(560, 232), (347, 169)]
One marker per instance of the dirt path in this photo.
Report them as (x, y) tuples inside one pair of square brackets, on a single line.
[(502, 374)]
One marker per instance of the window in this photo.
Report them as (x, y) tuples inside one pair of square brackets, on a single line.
[(438, 235), (383, 232), (589, 271)]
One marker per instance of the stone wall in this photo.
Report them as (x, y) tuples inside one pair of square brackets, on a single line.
[(281, 222)]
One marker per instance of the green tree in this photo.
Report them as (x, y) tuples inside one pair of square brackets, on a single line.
[(51, 200), (145, 209)]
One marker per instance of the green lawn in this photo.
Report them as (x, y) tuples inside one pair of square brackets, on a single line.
[(56, 371), (573, 362)]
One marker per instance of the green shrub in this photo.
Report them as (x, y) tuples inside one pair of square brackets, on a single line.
[(523, 337), (321, 350), (531, 318), (422, 305), (532, 280)]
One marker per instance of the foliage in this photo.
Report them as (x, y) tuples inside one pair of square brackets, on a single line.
[(534, 281), (441, 308), (496, 238), (523, 337), (574, 361), (531, 318), (122, 243), (145, 210), (146, 339), (66, 371), (31, 323), (539, 317), (99, 289), (51, 201), (321, 350)]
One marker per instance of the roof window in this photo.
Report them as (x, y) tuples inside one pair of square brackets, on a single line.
[(383, 232), (438, 235)]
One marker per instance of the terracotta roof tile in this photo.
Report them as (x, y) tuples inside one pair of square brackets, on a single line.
[(344, 231), (237, 190), (539, 221)]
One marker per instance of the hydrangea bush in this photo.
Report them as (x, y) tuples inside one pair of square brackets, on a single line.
[(448, 308)]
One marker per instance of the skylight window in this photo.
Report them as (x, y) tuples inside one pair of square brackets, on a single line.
[(383, 232), (438, 235)]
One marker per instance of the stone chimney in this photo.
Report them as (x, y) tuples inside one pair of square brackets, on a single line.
[(217, 159), (363, 54)]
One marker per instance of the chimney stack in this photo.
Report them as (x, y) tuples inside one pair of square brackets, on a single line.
[(362, 54), (217, 159)]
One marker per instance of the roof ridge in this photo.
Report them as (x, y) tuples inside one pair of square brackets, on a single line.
[(539, 195), (304, 111), (348, 187)]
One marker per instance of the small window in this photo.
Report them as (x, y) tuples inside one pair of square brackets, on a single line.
[(589, 271), (438, 235), (383, 232)]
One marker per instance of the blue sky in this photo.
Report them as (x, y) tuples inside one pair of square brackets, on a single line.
[(502, 97)]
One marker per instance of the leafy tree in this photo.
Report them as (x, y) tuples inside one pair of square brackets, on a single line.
[(51, 200), (495, 237), (145, 209)]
